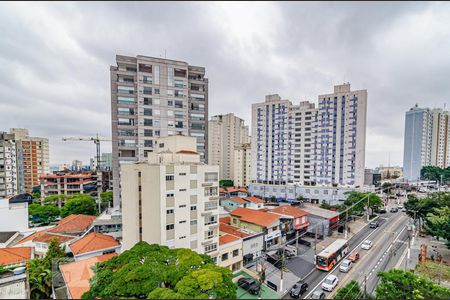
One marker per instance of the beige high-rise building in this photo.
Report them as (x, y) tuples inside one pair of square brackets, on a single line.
[(151, 98), (226, 132), (242, 164), (172, 199), (32, 154)]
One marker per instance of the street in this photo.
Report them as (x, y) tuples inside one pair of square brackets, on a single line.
[(390, 240)]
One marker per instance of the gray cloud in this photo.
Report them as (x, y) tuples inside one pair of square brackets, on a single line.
[(55, 60)]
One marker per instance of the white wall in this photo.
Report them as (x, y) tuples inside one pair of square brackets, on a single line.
[(13, 217)]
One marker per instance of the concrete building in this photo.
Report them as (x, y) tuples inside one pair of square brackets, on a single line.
[(67, 183), (242, 164), (13, 215), (371, 177), (151, 98), (92, 245), (8, 165), (225, 133), (389, 172), (106, 161), (230, 252), (172, 199), (32, 155), (427, 138), (340, 137)]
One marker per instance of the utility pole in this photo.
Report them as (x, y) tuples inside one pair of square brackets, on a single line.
[(368, 204), (282, 267), (365, 285), (346, 221), (262, 276), (315, 241), (296, 240)]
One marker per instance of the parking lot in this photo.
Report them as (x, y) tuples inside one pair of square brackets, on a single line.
[(266, 292)]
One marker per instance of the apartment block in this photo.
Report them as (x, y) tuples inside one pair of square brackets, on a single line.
[(427, 138), (8, 165), (340, 137), (172, 198), (67, 183), (242, 164), (151, 98), (225, 133)]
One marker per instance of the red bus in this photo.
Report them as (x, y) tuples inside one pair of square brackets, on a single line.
[(331, 255)]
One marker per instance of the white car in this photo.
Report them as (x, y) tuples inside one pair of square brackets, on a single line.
[(330, 283), (366, 245), (345, 266)]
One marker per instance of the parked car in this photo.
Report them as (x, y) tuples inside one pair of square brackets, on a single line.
[(345, 266), (250, 285), (304, 242), (354, 256), (374, 224), (298, 289), (394, 210), (382, 210), (400, 206), (318, 295), (403, 209), (366, 245), (330, 283)]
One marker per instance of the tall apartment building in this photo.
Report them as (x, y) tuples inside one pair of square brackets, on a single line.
[(151, 98), (242, 164), (282, 141), (308, 145), (8, 165), (427, 138), (171, 199), (225, 133), (341, 137)]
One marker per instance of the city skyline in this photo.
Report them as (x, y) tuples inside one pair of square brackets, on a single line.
[(270, 48)]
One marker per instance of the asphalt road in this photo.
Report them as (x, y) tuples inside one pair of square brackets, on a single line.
[(389, 241)]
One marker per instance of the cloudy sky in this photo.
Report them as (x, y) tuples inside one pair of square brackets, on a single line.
[(55, 58)]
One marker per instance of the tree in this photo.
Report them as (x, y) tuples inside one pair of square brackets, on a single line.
[(58, 199), (226, 183), (79, 204), (350, 291), (107, 199), (156, 271), (40, 271), (43, 213), (400, 284), (431, 173), (438, 223), (360, 199), (36, 195)]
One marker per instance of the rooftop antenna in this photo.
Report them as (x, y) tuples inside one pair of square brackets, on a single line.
[(165, 52)]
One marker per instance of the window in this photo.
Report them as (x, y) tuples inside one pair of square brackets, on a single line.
[(147, 91), (182, 222), (211, 220), (125, 89), (182, 174), (145, 68), (148, 132), (182, 237), (193, 207), (169, 93), (156, 74), (182, 190), (235, 252), (169, 211), (224, 256), (170, 226), (125, 121), (170, 113), (210, 205), (169, 194), (157, 123), (210, 191), (211, 176), (193, 222), (178, 104), (156, 91), (157, 132), (148, 122), (179, 83), (147, 111), (169, 103), (210, 248), (125, 100), (209, 234), (148, 143), (179, 124), (169, 177), (147, 101), (179, 94)]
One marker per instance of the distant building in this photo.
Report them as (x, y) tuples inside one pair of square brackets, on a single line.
[(77, 165), (8, 165), (172, 199), (68, 183), (225, 133), (427, 140), (242, 165), (232, 203), (106, 161), (372, 177), (389, 172)]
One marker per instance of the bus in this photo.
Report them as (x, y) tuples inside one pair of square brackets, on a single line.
[(331, 255)]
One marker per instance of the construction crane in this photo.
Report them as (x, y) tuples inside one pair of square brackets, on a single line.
[(96, 139)]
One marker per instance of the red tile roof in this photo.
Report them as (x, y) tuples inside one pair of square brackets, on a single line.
[(83, 175), (290, 211), (232, 230), (254, 199), (73, 224), (238, 200), (257, 217), (186, 152), (47, 237), (236, 189), (227, 238), (222, 190), (92, 242), (77, 274), (31, 236), (14, 255), (225, 220)]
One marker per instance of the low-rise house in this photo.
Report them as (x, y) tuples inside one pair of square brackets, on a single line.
[(256, 221), (94, 244), (230, 252), (76, 275), (15, 257), (232, 203), (321, 221), (233, 192), (7, 238), (295, 220), (109, 223), (254, 202)]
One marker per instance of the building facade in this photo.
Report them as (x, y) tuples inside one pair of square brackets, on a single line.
[(225, 133), (8, 165), (340, 137), (152, 98), (68, 184), (172, 199), (242, 164), (427, 138)]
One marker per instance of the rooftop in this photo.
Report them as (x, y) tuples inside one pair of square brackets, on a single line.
[(289, 210), (232, 230), (93, 242), (255, 216), (254, 199), (47, 237), (6, 235), (77, 274), (14, 255), (320, 212), (73, 224), (238, 200), (227, 238)]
